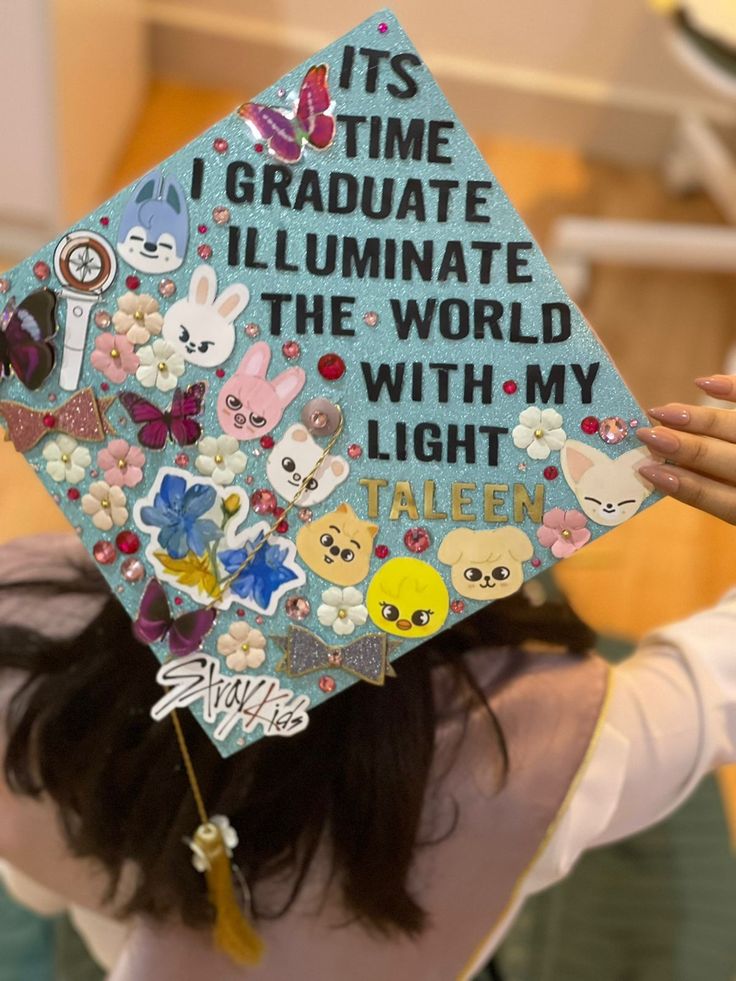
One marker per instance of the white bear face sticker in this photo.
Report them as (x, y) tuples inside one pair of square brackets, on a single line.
[(201, 327), (293, 457), (609, 491)]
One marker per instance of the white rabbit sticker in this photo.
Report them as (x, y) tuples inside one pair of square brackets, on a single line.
[(201, 327), (294, 457), (249, 404)]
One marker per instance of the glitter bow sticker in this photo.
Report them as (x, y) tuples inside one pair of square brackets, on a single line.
[(365, 658), (83, 417)]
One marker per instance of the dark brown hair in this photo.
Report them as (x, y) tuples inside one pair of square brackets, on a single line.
[(80, 731)]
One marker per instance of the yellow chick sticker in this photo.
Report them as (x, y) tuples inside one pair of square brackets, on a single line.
[(338, 546), (408, 598)]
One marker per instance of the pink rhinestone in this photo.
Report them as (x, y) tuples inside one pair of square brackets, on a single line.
[(102, 319), (280, 93), (104, 552), (52, 397), (181, 460), (221, 215), (249, 479), (318, 420), (178, 600), (204, 251), (633, 423), (297, 607), (263, 501), (41, 270), (536, 563), (202, 229), (258, 147), (355, 452), (327, 684), (417, 539), (252, 330), (219, 145), (382, 551), (259, 620), (167, 288), (291, 350), (510, 387), (613, 430), (132, 570), (383, 27), (128, 542), (335, 659), (5, 284), (370, 318), (457, 606), (104, 221), (305, 515), (590, 425)]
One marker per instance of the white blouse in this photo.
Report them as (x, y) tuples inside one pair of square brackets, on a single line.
[(670, 719)]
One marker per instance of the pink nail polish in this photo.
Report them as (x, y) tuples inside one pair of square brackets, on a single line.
[(662, 479), (673, 415), (715, 385), (661, 440)]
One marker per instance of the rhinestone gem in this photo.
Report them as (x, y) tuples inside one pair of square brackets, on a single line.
[(167, 288), (178, 600), (291, 350), (383, 27), (104, 552), (102, 319), (318, 420), (510, 387), (551, 473), (335, 659), (41, 270), (633, 423), (417, 540), (305, 515), (457, 606), (252, 330), (73, 494), (259, 620), (321, 417), (52, 397), (280, 93), (220, 372), (104, 221), (282, 527), (613, 430), (49, 420), (327, 684), (132, 282), (297, 607), (536, 563), (331, 367), (370, 318), (4, 284), (355, 451), (263, 501), (202, 229), (249, 479), (132, 570), (204, 251), (221, 215), (128, 542), (266, 442), (382, 551), (590, 425), (181, 460), (220, 145), (258, 147)]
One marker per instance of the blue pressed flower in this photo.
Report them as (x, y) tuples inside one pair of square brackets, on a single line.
[(264, 574), (178, 511)]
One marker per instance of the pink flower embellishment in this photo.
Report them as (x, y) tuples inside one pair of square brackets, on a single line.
[(122, 463), (563, 531), (114, 357)]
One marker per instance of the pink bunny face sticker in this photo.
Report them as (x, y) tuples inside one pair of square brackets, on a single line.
[(249, 405)]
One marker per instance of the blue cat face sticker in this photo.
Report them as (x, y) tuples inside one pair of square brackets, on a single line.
[(154, 227)]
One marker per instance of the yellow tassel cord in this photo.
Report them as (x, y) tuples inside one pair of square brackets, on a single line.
[(233, 934)]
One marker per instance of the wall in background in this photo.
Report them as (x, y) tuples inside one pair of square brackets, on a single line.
[(597, 74)]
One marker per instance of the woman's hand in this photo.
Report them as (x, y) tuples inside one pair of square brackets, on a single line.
[(698, 444)]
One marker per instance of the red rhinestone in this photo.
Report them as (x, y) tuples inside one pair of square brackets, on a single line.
[(457, 606), (291, 350), (240, 612), (355, 451), (41, 270), (49, 420), (327, 684), (181, 460), (551, 473), (105, 221), (331, 367), (590, 425), (204, 251), (267, 442), (202, 229), (220, 372), (178, 600), (132, 282), (282, 527), (258, 147), (128, 542), (263, 501), (105, 387), (510, 387), (277, 512), (417, 539), (219, 145), (73, 494), (382, 551)]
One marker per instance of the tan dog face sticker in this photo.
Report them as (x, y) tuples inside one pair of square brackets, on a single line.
[(486, 565), (338, 546)]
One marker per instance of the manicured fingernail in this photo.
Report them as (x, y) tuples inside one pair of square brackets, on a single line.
[(661, 440), (662, 479), (673, 415), (715, 384)]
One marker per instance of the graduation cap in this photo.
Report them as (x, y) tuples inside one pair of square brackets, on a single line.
[(310, 393)]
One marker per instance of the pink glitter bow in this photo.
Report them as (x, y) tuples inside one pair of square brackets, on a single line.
[(83, 417)]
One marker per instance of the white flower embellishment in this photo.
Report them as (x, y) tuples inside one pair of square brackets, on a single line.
[(539, 432), (220, 458), (105, 505), (242, 647), (137, 317), (229, 839), (342, 609), (66, 459), (160, 366)]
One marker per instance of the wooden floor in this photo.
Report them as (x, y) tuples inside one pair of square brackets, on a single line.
[(662, 329)]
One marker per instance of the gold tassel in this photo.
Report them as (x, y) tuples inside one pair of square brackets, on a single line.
[(233, 934)]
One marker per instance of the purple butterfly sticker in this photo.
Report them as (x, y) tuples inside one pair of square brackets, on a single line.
[(155, 622), (177, 423), (25, 332)]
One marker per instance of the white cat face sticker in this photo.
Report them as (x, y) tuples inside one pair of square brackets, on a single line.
[(293, 457), (609, 490)]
